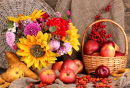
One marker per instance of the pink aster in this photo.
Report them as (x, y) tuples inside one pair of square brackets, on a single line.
[(54, 45), (10, 39), (64, 49), (32, 29), (68, 12)]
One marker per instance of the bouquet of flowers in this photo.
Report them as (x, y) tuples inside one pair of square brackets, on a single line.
[(40, 38)]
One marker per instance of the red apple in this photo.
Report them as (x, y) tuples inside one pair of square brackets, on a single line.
[(109, 42), (102, 71), (47, 76), (67, 75), (57, 65), (80, 65), (116, 47), (107, 51), (96, 54), (91, 46), (118, 53), (68, 63)]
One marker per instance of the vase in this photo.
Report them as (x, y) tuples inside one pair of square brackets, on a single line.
[(38, 71)]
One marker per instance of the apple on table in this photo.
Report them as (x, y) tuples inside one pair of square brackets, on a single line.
[(102, 71), (47, 76), (67, 75), (57, 65), (68, 63), (79, 64)]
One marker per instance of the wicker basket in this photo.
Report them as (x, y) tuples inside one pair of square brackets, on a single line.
[(113, 63)]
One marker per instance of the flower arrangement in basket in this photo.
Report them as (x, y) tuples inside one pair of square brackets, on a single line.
[(40, 38), (100, 51)]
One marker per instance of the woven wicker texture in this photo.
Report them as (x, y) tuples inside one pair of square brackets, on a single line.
[(113, 63), (14, 8)]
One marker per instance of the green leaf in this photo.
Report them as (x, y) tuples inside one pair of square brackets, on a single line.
[(10, 24), (52, 29), (66, 18)]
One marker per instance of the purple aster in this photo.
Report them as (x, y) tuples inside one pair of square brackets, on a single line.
[(32, 29)]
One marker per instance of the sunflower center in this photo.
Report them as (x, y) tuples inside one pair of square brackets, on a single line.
[(37, 51)]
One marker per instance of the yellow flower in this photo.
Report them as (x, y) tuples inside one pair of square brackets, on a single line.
[(10, 18), (35, 50), (34, 15), (72, 37)]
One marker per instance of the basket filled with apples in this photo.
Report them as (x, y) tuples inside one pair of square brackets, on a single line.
[(99, 51)]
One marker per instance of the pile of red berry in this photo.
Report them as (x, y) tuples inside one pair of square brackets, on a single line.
[(31, 85), (81, 82)]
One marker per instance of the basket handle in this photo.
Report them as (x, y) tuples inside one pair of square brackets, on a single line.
[(108, 20)]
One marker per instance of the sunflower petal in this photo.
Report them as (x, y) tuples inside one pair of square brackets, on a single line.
[(46, 48), (36, 63), (45, 37), (22, 53), (23, 58), (44, 43), (39, 35), (40, 65)]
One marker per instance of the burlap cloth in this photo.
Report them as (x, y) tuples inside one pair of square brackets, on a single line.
[(123, 82), (83, 13)]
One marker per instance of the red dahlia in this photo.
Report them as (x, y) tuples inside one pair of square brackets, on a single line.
[(60, 24)]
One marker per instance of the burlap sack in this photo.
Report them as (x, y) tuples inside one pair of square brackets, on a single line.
[(83, 13), (14, 8), (123, 82)]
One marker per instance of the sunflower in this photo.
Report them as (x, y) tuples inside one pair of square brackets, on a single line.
[(72, 37), (35, 50)]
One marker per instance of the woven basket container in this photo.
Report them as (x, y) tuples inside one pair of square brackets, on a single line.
[(14, 8), (113, 63)]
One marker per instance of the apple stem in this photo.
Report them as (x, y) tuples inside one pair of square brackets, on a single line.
[(47, 73), (68, 74)]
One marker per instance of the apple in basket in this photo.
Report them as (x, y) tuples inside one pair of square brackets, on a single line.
[(118, 53), (102, 71), (108, 42), (96, 54), (107, 51), (67, 75), (47, 76), (57, 65), (80, 65), (91, 46), (68, 63), (116, 47)]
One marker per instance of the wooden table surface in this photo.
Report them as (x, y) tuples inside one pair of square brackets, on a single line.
[(52, 3)]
